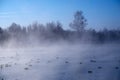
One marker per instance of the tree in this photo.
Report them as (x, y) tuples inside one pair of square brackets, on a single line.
[(14, 28), (59, 28), (4, 36), (79, 23), (1, 30)]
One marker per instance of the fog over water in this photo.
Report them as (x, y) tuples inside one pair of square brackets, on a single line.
[(59, 39), (62, 61)]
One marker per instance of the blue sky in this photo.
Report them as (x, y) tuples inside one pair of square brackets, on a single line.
[(99, 13)]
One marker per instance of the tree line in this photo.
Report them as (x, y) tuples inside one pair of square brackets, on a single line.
[(53, 32)]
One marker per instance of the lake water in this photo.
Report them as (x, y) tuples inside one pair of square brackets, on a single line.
[(61, 62)]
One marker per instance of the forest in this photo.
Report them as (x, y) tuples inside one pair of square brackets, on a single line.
[(54, 32)]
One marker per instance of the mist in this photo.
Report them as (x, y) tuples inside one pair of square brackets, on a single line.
[(60, 61), (50, 52)]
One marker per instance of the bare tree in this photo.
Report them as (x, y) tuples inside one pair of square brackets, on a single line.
[(79, 22)]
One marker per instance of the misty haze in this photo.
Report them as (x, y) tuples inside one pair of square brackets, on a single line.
[(59, 40)]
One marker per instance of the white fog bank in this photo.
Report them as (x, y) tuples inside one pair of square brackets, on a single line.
[(60, 62)]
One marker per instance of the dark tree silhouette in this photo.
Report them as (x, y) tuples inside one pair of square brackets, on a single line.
[(79, 22), (14, 27), (53, 31), (4, 36)]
